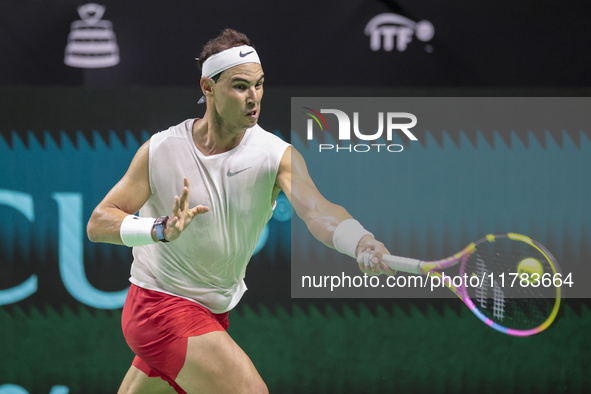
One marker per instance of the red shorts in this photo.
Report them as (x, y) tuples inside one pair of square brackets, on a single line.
[(157, 326)]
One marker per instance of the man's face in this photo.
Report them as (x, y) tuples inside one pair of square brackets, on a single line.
[(237, 96)]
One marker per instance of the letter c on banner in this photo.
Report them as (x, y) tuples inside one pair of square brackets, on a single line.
[(23, 203), (71, 255)]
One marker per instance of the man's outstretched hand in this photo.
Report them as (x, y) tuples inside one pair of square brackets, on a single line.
[(182, 215)]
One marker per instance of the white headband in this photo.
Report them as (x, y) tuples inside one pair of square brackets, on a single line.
[(224, 60)]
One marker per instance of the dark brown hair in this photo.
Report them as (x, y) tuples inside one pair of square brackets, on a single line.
[(227, 39)]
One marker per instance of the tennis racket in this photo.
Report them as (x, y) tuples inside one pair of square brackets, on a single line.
[(509, 281)]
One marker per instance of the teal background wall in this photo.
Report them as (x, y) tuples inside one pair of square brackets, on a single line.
[(516, 171), (78, 143), (67, 135)]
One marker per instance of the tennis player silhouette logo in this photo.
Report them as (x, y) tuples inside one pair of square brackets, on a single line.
[(91, 43)]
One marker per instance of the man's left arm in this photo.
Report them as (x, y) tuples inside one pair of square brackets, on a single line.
[(322, 217)]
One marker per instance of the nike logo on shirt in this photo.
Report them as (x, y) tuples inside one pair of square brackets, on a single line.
[(230, 173)]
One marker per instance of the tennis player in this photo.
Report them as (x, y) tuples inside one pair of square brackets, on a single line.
[(205, 189)]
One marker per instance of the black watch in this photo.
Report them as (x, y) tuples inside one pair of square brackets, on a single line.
[(159, 226)]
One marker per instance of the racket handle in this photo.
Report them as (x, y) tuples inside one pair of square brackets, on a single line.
[(403, 264)]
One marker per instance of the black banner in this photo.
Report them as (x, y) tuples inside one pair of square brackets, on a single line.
[(330, 43)]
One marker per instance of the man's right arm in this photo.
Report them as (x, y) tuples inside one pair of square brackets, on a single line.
[(322, 217), (125, 198)]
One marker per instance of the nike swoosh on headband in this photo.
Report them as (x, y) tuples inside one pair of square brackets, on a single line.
[(231, 57), (229, 173)]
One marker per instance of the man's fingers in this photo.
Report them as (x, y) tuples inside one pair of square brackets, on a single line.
[(364, 260), (199, 209), (172, 222), (184, 197), (387, 270), (375, 259), (366, 264), (370, 262), (365, 270), (176, 206), (186, 182)]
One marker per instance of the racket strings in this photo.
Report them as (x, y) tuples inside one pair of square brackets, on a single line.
[(503, 295)]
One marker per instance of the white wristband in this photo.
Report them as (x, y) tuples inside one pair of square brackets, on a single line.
[(347, 236), (137, 231)]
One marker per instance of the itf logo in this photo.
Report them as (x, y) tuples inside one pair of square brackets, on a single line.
[(392, 120), (394, 28), (91, 43)]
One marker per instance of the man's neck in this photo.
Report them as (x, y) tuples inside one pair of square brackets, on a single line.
[(214, 137)]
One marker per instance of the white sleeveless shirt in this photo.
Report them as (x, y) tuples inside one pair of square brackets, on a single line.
[(207, 263)]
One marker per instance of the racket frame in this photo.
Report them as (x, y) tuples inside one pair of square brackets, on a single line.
[(432, 268)]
